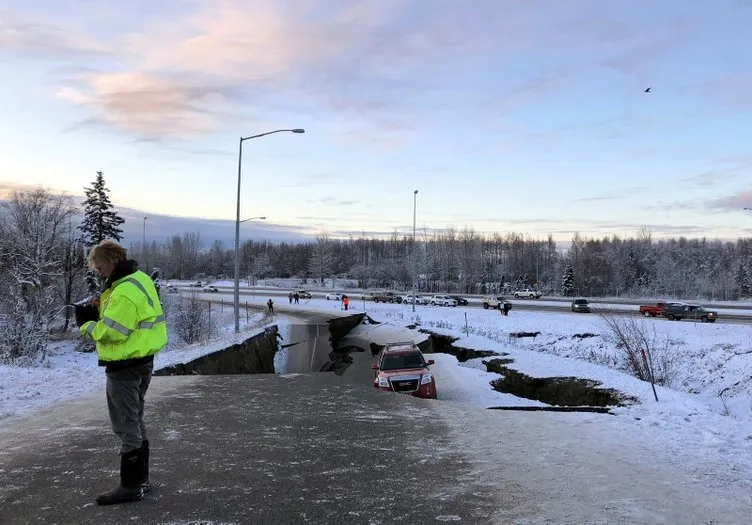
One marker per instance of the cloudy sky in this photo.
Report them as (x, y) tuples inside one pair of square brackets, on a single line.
[(507, 115)]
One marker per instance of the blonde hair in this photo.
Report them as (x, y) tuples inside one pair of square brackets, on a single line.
[(107, 251)]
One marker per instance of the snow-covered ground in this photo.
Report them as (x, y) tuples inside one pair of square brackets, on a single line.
[(706, 359)]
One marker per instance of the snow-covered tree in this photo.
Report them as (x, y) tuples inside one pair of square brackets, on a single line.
[(262, 266), (189, 318), (101, 221), (322, 258), (33, 231), (567, 284), (744, 277), (74, 271)]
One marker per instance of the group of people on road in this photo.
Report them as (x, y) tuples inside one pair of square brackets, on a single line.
[(293, 297)]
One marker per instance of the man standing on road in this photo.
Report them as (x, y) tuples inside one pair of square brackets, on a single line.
[(128, 325)]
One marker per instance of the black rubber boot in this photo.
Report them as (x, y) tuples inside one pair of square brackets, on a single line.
[(129, 489), (145, 483)]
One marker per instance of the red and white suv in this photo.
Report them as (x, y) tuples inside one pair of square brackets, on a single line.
[(402, 368)]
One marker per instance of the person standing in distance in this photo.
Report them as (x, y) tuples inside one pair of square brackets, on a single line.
[(129, 330)]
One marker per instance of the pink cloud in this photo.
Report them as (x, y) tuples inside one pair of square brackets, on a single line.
[(181, 75)]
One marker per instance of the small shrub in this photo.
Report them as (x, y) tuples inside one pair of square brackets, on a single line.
[(190, 319), (637, 342), (24, 332)]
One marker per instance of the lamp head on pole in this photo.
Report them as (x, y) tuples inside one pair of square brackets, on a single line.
[(298, 130), (415, 192)]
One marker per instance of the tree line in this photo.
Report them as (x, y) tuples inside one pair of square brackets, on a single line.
[(44, 239), (463, 261)]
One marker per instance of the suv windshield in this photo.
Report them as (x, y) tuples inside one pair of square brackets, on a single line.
[(580, 301), (397, 361)]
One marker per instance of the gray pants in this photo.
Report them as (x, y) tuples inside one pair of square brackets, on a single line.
[(126, 390)]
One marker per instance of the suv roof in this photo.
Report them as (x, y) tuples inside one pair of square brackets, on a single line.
[(402, 346)]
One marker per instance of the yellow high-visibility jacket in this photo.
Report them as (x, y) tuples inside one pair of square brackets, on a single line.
[(131, 322)]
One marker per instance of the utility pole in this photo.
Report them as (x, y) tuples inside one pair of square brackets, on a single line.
[(415, 259), (143, 247)]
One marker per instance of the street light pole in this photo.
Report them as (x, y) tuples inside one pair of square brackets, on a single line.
[(236, 298), (415, 260), (143, 246)]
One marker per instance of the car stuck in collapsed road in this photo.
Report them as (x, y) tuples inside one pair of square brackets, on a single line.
[(401, 367)]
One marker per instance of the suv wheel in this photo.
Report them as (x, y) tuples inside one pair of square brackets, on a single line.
[(375, 300), (516, 296), (485, 306), (433, 303), (647, 314), (671, 317), (704, 318)]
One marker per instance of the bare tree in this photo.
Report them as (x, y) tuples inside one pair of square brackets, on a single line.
[(32, 238), (322, 258)]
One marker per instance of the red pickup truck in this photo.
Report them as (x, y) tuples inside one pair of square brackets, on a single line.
[(652, 310)]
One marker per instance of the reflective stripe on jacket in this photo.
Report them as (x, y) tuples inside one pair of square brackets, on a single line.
[(131, 320)]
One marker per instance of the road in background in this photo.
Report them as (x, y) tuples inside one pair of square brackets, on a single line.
[(727, 313)]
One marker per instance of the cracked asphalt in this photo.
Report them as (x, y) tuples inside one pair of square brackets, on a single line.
[(316, 448)]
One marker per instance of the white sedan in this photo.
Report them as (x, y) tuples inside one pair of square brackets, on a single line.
[(211, 289), (419, 299), (443, 300), (333, 296)]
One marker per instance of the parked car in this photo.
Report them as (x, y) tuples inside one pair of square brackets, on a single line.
[(366, 296), (679, 311), (303, 294), (401, 367), (197, 284), (333, 296), (494, 301), (171, 288), (527, 293), (581, 306), (442, 300), (461, 301), (208, 288), (385, 297), (408, 299)]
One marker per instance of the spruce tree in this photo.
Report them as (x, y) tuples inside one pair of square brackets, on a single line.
[(567, 285), (101, 221)]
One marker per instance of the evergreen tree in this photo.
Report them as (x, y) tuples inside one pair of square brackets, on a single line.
[(101, 221), (567, 285), (744, 277)]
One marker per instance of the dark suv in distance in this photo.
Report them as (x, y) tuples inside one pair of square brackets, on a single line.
[(581, 306), (679, 311), (461, 301)]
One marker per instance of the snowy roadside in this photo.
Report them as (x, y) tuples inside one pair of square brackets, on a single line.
[(68, 374), (681, 423)]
